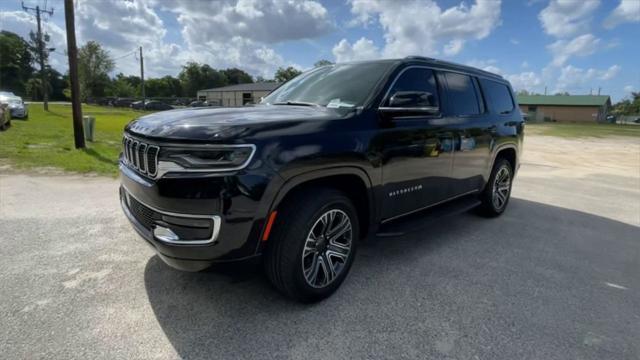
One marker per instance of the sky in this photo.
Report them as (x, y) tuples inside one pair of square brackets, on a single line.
[(578, 46)]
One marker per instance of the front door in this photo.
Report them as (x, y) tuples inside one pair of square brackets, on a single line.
[(416, 147)]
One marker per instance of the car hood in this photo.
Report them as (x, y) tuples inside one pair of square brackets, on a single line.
[(223, 124)]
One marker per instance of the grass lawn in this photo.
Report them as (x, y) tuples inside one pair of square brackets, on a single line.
[(46, 139), (573, 130)]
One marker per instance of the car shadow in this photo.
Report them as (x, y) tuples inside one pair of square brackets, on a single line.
[(96, 155), (466, 287)]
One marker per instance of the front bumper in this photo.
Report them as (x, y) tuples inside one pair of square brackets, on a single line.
[(150, 237), (18, 112), (195, 222)]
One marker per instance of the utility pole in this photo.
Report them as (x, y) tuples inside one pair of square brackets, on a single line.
[(545, 90), (72, 50), (599, 88), (144, 99), (43, 72)]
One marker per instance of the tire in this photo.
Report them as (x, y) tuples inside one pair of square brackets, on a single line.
[(298, 247), (497, 192)]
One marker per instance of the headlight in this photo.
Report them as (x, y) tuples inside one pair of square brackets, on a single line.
[(211, 158)]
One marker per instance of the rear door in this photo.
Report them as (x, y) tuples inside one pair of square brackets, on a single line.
[(472, 128), (416, 148)]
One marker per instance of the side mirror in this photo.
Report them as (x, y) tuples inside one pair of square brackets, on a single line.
[(411, 101)]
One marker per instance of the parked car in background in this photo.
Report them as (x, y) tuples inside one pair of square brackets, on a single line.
[(180, 102), (17, 107), (202, 104), (153, 105), (137, 105), (197, 104), (122, 102), (106, 101), (157, 105)]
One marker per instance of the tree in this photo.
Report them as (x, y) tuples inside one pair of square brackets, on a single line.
[(284, 75), (260, 79), (120, 87), (33, 88), (94, 66), (167, 86), (194, 77), (237, 76), (15, 62), (628, 106), (57, 83), (322, 62)]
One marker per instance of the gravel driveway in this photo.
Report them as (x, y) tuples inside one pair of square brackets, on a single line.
[(556, 277)]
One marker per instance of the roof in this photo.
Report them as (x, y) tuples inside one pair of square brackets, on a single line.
[(448, 65), (260, 86), (566, 100)]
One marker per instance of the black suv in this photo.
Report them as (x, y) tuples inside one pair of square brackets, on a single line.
[(328, 158)]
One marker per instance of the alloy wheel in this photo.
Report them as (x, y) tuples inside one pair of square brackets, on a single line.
[(327, 248), (501, 188)]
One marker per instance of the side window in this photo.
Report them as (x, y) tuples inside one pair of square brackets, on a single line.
[(499, 96), (418, 80), (462, 94)]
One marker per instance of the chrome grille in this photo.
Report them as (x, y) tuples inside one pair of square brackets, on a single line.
[(141, 156)]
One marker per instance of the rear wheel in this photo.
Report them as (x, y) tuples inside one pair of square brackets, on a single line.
[(313, 244), (497, 192)]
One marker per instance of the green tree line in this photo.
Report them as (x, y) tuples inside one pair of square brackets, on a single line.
[(19, 75)]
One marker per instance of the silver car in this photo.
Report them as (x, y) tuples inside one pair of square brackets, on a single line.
[(17, 107)]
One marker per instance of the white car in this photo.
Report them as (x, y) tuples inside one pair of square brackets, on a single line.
[(15, 105)]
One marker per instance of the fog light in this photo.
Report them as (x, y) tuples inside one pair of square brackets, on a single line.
[(165, 234)]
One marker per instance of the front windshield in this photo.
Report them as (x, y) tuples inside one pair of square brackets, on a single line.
[(333, 86)]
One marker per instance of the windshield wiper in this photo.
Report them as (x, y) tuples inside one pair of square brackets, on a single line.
[(296, 103)]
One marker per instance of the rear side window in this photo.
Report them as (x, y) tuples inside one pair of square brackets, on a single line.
[(417, 79), (461, 92), (499, 96)]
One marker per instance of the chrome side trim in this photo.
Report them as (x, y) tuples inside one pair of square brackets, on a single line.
[(430, 109), (217, 220), (429, 206)]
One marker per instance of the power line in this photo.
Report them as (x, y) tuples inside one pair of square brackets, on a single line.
[(125, 55)]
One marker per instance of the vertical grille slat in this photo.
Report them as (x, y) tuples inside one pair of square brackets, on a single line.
[(152, 160), (141, 156), (142, 148)]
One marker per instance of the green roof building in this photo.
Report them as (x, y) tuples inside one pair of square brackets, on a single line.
[(565, 108)]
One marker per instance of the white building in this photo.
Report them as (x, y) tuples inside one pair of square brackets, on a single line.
[(237, 95)]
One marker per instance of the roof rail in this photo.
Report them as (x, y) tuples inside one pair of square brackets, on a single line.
[(417, 57), (453, 64)]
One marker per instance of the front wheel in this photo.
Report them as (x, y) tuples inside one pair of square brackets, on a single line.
[(497, 192), (313, 244)]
